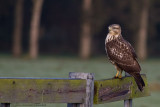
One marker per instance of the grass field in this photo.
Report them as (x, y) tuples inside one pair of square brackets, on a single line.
[(60, 68)]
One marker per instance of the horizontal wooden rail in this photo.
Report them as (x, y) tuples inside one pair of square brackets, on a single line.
[(39, 90), (76, 90), (118, 89)]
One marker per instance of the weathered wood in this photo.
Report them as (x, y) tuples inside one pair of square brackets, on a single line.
[(88, 101), (20, 90), (128, 102), (76, 91), (118, 89), (5, 105), (74, 105)]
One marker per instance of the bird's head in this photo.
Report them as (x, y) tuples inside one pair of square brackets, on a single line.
[(114, 29)]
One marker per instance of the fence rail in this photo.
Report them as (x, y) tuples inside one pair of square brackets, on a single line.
[(110, 90), (77, 91)]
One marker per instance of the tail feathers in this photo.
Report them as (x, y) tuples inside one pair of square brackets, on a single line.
[(139, 81)]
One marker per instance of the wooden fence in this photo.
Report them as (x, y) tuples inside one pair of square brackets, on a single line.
[(80, 90)]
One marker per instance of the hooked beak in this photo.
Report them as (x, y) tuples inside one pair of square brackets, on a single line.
[(109, 28)]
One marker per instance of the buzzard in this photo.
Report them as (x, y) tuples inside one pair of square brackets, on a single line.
[(122, 55)]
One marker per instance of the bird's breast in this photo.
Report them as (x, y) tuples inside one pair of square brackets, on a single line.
[(110, 37)]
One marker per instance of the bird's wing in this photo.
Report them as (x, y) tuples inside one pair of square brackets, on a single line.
[(122, 54), (131, 48)]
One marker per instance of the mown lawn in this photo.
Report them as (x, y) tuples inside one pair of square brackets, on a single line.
[(60, 68)]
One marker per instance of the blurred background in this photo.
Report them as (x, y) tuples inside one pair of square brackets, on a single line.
[(50, 38)]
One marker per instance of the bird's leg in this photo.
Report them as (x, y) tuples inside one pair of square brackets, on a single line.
[(120, 75), (117, 71), (117, 74)]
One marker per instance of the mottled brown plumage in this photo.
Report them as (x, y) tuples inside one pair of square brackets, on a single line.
[(122, 55)]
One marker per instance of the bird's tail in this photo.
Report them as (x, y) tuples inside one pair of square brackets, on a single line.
[(139, 81)]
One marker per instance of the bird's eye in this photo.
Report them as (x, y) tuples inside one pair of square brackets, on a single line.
[(115, 28)]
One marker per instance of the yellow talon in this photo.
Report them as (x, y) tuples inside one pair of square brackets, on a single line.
[(117, 74), (120, 75)]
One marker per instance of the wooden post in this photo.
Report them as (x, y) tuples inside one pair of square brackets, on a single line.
[(88, 101), (5, 105), (127, 103)]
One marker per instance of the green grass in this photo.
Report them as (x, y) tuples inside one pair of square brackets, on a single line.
[(60, 68)]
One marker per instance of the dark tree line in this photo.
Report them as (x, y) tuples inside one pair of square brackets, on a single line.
[(77, 27)]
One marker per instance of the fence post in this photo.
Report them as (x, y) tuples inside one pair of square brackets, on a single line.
[(127, 103), (5, 105), (88, 101)]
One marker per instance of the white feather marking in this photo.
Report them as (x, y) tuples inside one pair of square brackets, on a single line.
[(113, 50), (121, 55), (110, 37)]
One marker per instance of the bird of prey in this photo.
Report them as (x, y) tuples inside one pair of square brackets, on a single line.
[(122, 55)]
